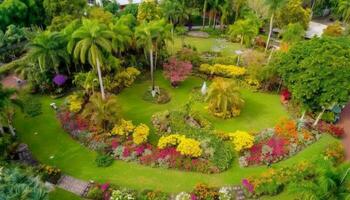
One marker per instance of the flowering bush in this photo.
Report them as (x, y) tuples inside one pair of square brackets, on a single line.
[(125, 78), (60, 79), (177, 70), (228, 71), (121, 195), (140, 134), (170, 140), (334, 130), (241, 140), (125, 128), (74, 103), (189, 147), (183, 196), (287, 129), (335, 152), (273, 181), (204, 192), (186, 146)]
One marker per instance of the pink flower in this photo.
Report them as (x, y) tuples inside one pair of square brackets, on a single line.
[(104, 187), (248, 185)]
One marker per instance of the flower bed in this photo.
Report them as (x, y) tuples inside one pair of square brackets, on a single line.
[(129, 143), (275, 144), (200, 192)]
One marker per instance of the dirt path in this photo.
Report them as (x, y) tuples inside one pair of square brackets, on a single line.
[(345, 123)]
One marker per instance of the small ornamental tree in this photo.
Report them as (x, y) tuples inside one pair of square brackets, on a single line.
[(176, 70)]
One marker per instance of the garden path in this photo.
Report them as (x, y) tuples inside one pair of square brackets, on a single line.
[(345, 123), (73, 185)]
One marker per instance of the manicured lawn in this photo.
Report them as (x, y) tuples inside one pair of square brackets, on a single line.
[(206, 44), (60, 194), (260, 111), (46, 138)]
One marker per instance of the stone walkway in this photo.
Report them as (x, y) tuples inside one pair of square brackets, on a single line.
[(73, 185)]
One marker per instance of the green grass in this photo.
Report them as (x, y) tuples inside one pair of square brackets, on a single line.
[(205, 44), (60, 194), (76, 160), (261, 110)]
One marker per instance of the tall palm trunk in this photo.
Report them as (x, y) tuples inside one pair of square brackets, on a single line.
[(100, 80), (270, 32), (242, 41), (204, 12), (156, 56), (152, 71), (2, 132), (319, 117), (215, 19), (210, 14)]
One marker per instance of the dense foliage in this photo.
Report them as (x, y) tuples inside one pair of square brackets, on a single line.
[(317, 72)]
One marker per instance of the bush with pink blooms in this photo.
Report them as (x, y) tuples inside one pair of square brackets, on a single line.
[(177, 70)]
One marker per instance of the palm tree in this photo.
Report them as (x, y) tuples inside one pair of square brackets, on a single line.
[(48, 50), (149, 36), (331, 183), (205, 5), (238, 4), (344, 10), (224, 98), (90, 43), (122, 36), (245, 29), (274, 6), (103, 113)]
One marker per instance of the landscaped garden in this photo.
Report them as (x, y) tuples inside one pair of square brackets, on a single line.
[(173, 100)]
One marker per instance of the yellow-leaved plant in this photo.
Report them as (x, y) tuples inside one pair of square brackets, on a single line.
[(74, 103), (140, 134), (241, 140), (228, 71)]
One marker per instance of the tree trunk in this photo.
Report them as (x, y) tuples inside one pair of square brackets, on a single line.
[(236, 14), (319, 117), (242, 40), (270, 32), (68, 70), (303, 116), (12, 130), (100, 80), (214, 20), (156, 57), (210, 14), (2, 132), (204, 12), (151, 61)]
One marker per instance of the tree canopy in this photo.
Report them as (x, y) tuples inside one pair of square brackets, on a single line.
[(317, 72)]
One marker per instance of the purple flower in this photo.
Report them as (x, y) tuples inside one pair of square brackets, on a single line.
[(60, 79), (248, 185)]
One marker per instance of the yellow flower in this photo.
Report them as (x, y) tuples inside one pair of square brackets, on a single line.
[(140, 134), (241, 140), (74, 103), (186, 146), (124, 128), (170, 140)]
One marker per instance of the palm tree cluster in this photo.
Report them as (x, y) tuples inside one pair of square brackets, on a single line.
[(99, 45)]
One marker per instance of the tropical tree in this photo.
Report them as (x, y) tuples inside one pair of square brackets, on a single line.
[(297, 13), (344, 10), (102, 112), (122, 34), (237, 5), (315, 73), (91, 42), (274, 6), (149, 36), (48, 50), (293, 33), (224, 98), (331, 183), (245, 30)]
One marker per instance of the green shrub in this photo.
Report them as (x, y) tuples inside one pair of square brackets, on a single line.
[(31, 106), (95, 193), (104, 160)]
